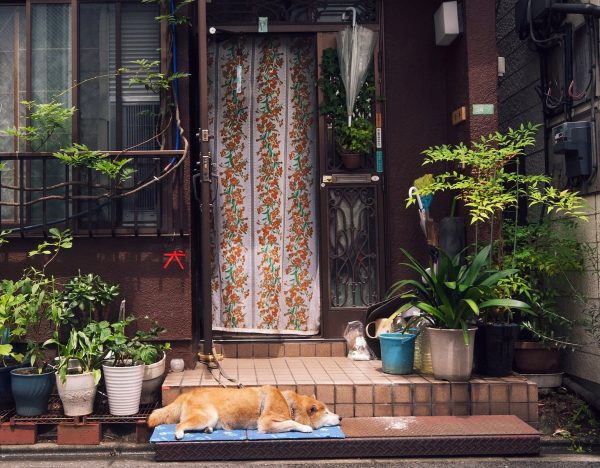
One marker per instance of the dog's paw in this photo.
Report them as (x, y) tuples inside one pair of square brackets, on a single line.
[(179, 435), (304, 428), (208, 430)]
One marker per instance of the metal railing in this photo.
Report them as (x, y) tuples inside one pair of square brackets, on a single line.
[(38, 192)]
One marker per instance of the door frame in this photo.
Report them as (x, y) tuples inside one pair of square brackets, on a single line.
[(331, 321)]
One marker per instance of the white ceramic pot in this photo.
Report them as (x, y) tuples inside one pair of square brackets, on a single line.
[(77, 393), (451, 358), (154, 375), (124, 388)]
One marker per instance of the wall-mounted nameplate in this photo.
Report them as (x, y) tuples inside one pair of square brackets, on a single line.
[(482, 109)]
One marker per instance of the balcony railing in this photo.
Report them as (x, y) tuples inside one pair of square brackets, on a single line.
[(38, 191)]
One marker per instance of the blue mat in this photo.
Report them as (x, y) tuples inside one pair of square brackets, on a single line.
[(166, 433), (332, 432)]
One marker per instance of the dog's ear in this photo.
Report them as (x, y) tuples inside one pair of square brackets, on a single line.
[(313, 396), (313, 409)]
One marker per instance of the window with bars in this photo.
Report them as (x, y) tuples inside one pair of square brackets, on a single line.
[(40, 57)]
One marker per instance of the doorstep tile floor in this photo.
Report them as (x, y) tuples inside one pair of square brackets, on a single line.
[(361, 389)]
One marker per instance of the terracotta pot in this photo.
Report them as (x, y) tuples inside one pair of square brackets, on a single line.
[(533, 357), (351, 160)]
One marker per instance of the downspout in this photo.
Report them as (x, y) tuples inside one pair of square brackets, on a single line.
[(205, 181)]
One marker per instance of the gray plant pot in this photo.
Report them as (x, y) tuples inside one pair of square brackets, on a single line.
[(451, 358)]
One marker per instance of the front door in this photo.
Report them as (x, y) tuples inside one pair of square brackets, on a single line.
[(295, 238), (263, 113)]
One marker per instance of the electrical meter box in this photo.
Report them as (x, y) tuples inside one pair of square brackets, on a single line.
[(574, 140)]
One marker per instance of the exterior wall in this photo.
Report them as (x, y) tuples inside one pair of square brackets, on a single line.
[(135, 263), (424, 83), (518, 102)]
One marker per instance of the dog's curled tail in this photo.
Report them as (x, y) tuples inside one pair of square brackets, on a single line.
[(167, 415)]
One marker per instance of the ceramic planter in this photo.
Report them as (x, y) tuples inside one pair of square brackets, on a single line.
[(124, 388), (532, 357), (77, 393), (31, 390), (451, 358), (154, 375), (6, 396), (495, 348)]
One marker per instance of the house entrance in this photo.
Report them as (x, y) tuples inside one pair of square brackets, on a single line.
[(262, 111), (293, 244)]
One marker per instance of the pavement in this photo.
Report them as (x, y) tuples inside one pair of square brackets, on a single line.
[(136, 456)]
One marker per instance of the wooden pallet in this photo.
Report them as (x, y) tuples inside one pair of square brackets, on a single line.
[(65, 430)]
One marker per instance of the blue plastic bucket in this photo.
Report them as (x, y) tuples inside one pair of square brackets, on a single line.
[(397, 352)]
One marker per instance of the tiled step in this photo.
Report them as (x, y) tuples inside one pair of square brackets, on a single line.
[(361, 389), (422, 436)]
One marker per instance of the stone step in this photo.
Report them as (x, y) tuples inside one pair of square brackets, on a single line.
[(361, 389), (421, 436)]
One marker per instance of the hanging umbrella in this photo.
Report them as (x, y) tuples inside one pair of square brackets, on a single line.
[(355, 47)]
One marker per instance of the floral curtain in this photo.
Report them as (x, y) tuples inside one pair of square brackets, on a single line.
[(263, 114)]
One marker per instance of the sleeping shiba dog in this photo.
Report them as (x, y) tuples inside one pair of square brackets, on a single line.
[(264, 408)]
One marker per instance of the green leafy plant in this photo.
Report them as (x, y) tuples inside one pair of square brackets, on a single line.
[(85, 294), (46, 120), (452, 295), (358, 138), (84, 346), (487, 184), (78, 155), (546, 254), (128, 350)]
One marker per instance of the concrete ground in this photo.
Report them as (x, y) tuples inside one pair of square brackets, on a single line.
[(136, 456)]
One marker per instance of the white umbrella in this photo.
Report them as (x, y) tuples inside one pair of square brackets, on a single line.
[(355, 47)]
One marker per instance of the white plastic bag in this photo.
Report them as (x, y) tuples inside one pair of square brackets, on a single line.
[(357, 346)]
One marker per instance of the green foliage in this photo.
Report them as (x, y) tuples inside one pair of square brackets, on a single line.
[(545, 254), (423, 184), (126, 350), (78, 155), (358, 138), (485, 184), (84, 294), (146, 75), (174, 18), (452, 295), (46, 120), (86, 347)]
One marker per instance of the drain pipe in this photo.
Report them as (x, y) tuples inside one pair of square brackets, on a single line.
[(583, 392)]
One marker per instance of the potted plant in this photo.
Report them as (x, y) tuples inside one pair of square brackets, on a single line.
[(546, 253), (153, 355), (78, 370), (486, 178), (451, 296), (355, 141), (123, 370), (31, 386), (13, 303)]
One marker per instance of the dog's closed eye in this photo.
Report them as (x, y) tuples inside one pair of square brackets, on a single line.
[(313, 409)]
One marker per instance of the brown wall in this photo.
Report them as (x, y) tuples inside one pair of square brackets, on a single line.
[(136, 264), (424, 83)]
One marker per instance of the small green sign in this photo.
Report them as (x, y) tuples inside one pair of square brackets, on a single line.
[(482, 109)]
